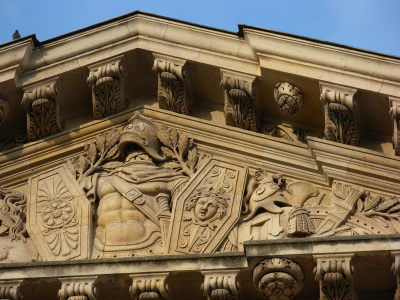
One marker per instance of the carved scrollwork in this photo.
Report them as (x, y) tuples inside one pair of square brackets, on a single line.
[(149, 287), (4, 109), (12, 213), (77, 288), (10, 289), (395, 114), (340, 116), (240, 109), (108, 88), (220, 285), (278, 278), (288, 132), (288, 97), (172, 87)]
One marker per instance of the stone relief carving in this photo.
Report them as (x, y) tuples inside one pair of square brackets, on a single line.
[(10, 289), (43, 106), (12, 214), (278, 278), (395, 114), (288, 132), (220, 285), (173, 93), (13, 141), (108, 88), (240, 108), (288, 97), (77, 288), (149, 287), (335, 278), (4, 109), (340, 115)]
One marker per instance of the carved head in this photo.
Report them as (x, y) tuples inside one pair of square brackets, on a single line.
[(142, 132), (207, 204)]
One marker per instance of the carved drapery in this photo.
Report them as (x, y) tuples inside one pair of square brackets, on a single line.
[(172, 93), (108, 88), (43, 108), (240, 108), (10, 289), (278, 278), (149, 286), (335, 277), (395, 114), (340, 115), (77, 288), (4, 109), (221, 285)]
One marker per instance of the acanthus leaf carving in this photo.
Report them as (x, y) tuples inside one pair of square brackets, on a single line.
[(78, 288), (395, 114), (172, 93), (288, 132), (4, 109), (149, 286), (240, 109), (108, 88), (221, 285), (43, 107)]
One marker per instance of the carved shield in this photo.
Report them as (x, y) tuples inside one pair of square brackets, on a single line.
[(207, 209), (59, 216)]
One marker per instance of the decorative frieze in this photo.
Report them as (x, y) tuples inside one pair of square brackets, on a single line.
[(278, 278), (108, 88), (395, 114), (288, 97), (149, 286), (220, 285), (335, 277), (339, 106), (78, 288), (240, 109), (10, 289), (172, 93), (4, 109), (43, 109)]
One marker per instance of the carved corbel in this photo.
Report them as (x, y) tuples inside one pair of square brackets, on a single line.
[(334, 274), (172, 93), (220, 285), (240, 109), (9, 289), (395, 114), (43, 109), (395, 269), (339, 106), (77, 288), (149, 286), (108, 88), (278, 278), (4, 109)]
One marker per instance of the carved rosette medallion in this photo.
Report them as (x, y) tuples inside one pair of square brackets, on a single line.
[(278, 278), (207, 208), (172, 87), (240, 108), (108, 88), (395, 114), (43, 106), (288, 97), (59, 216), (340, 115), (4, 109), (149, 286)]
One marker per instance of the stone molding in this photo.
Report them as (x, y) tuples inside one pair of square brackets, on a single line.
[(42, 103), (334, 273), (220, 285), (149, 286), (394, 112), (78, 288), (339, 106), (240, 109), (173, 94), (9, 289)]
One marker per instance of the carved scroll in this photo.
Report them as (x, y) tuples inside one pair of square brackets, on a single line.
[(149, 286), (4, 109), (59, 216), (172, 86), (288, 132), (108, 88), (278, 278), (240, 109), (12, 213), (77, 288), (340, 115), (9, 289), (220, 285), (335, 277), (395, 114), (43, 109)]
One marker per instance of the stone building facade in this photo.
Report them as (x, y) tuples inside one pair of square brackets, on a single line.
[(150, 158)]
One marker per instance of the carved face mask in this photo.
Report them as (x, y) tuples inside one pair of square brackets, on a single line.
[(206, 208)]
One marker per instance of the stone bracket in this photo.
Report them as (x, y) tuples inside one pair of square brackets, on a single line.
[(341, 120), (240, 109), (395, 114), (42, 103), (149, 286), (4, 109), (396, 269), (334, 273), (9, 289), (78, 288), (108, 87), (220, 285), (173, 94)]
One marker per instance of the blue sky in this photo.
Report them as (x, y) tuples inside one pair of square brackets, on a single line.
[(367, 24)]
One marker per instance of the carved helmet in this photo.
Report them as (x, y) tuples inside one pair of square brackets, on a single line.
[(142, 132)]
